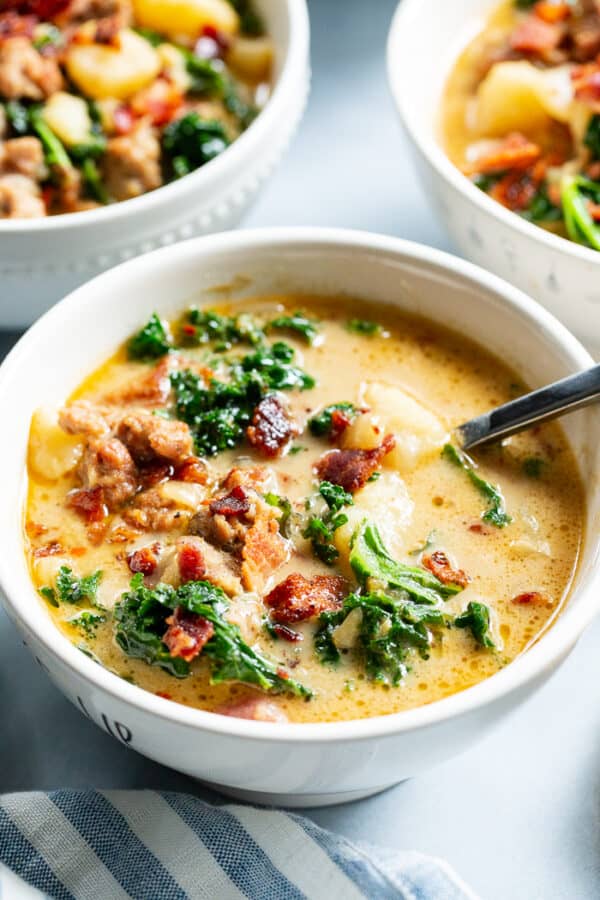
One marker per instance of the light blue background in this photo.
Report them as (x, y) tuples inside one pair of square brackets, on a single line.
[(517, 816)]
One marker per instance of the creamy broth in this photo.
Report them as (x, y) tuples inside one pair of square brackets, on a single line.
[(420, 498)]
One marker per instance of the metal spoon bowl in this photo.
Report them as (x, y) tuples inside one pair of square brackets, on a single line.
[(566, 395)]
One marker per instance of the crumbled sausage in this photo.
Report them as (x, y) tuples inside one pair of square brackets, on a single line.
[(107, 463), (152, 511), (299, 598), (131, 164), (23, 156), (20, 198), (83, 417), (272, 427), (351, 469), (24, 73), (149, 437), (439, 564), (187, 634)]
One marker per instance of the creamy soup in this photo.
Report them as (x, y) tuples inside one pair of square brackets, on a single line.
[(521, 114), (259, 510)]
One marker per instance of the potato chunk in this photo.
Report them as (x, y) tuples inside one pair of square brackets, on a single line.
[(186, 17), (68, 117), (418, 432), (517, 96), (251, 58), (52, 452), (102, 71)]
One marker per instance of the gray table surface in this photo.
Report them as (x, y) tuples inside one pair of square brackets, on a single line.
[(517, 816)]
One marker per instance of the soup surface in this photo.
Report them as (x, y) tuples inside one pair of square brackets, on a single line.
[(104, 100), (521, 114), (257, 510)]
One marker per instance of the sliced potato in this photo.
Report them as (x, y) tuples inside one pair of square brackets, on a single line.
[(186, 17), (418, 432), (102, 71), (52, 452), (183, 493), (517, 96), (174, 65), (68, 117), (46, 569), (251, 58)]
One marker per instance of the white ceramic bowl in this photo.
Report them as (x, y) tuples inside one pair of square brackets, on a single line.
[(290, 764), (564, 276), (43, 259)]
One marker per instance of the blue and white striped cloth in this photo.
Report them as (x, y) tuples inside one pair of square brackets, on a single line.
[(146, 845)]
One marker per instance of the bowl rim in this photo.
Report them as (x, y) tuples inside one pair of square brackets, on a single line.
[(20, 598), (224, 166), (400, 28)]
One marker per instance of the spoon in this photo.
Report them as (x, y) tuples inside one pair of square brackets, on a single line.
[(573, 392)]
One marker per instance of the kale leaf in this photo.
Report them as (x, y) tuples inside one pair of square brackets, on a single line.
[(203, 326), (141, 623), (70, 589), (87, 621), (370, 559), (496, 512), (320, 529), (274, 366), (250, 22), (592, 136), (364, 326), (321, 425), (190, 142), (297, 323), (55, 155), (576, 194), (285, 507), (476, 617), (151, 342)]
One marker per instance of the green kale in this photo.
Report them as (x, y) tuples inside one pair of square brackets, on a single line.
[(190, 142), (320, 529), (55, 155), (219, 414), (208, 77), (525, 4), (496, 512), (87, 621), (69, 589), (387, 629), (322, 425), (576, 194), (370, 559), (476, 617), (92, 181), (285, 506), (296, 323), (592, 136), (153, 37), (204, 326), (364, 326), (141, 623), (47, 35), (541, 208), (485, 182), (533, 466), (151, 342), (273, 365), (250, 22)]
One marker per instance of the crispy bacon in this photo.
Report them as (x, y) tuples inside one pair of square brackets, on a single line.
[(190, 559), (236, 503), (51, 549), (271, 428), (145, 560), (531, 598), (515, 191), (287, 634), (536, 36), (88, 503), (192, 470), (298, 598), (187, 634), (515, 152), (438, 563), (351, 469)]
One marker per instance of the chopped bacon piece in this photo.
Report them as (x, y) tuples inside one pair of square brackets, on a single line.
[(192, 470), (191, 562), (155, 473), (533, 598), (514, 152), (252, 478), (88, 503), (552, 10), (287, 634), (145, 560), (536, 36), (440, 565), (236, 503), (258, 709), (351, 469), (187, 634), (298, 598), (515, 191), (51, 549), (340, 420), (271, 428)]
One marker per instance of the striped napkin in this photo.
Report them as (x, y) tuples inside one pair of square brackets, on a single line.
[(146, 845)]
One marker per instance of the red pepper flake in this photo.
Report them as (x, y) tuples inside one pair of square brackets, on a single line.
[(480, 528), (529, 598)]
